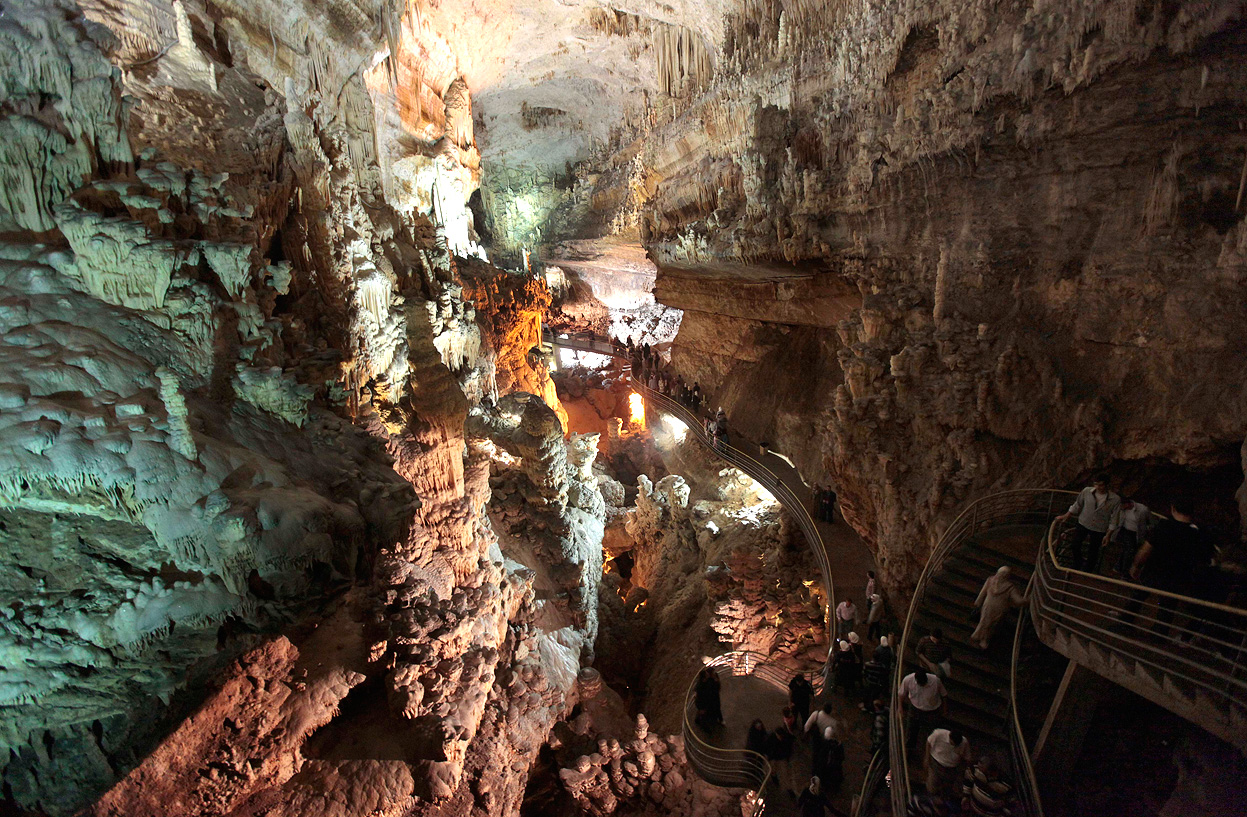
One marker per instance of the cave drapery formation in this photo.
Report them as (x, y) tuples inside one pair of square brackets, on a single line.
[(289, 523)]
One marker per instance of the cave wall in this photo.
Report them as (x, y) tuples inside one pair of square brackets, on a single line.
[(236, 363), (1037, 206)]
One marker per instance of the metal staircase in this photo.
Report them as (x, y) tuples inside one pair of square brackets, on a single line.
[(1197, 669), (985, 536)]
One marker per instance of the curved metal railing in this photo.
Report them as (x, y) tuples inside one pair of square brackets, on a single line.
[(1004, 509), (1029, 794), (876, 771), (756, 470), (733, 768), (730, 767), (769, 480), (1195, 666)]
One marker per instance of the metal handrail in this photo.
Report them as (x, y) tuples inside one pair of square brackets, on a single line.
[(1029, 794), (1107, 612), (1006, 508), (738, 768), (769, 480), (729, 767), (756, 470), (875, 773)]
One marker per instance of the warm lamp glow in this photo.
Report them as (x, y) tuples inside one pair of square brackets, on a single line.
[(636, 406)]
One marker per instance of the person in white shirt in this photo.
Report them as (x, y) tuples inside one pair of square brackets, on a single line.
[(822, 720), (1097, 510), (1135, 520), (846, 617), (922, 698), (947, 752)]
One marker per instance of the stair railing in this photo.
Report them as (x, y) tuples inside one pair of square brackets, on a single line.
[(876, 771), (1197, 661), (1007, 508), (1028, 793), (734, 768)]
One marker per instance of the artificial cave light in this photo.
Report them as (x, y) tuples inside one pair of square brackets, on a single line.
[(676, 427), (636, 408)]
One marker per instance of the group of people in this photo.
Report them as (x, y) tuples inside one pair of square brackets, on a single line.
[(1173, 554), (648, 368), (825, 505)]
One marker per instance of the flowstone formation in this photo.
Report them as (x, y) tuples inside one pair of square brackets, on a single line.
[(247, 566), (933, 250)]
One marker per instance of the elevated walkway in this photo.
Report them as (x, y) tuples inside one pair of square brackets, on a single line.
[(1196, 666)]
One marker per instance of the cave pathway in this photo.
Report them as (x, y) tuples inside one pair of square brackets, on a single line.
[(747, 697)]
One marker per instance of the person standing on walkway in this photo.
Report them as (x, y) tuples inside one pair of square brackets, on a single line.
[(947, 752), (870, 583), (874, 618), (1132, 532), (757, 737), (846, 617), (1096, 510), (800, 693), (922, 699), (822, 720), (935, 654), (884, 654), (1175, 551), (998, 596), (706, 697), (847, 668)]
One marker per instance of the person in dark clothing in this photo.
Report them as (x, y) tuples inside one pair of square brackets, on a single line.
[(1175, 552), (830, 768), (846, 668), (696, 397), (757, 738), (800, 693), (879, 725), (811, 800), (827, 507), (707, 699)]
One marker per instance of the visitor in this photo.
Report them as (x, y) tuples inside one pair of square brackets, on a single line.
[(880, 713), (821, 721), (847, 668), (870, 583), (874, 678), (846, 617), (696, 397), (827, 505), (922, 700), (706, 698), (800, 693), (884, 653), (811, 800), (1096, 510), (757, 737), (1135, 520), (855, 643), (828, 764), (947, 751), (984, 792), (874, 618), (1175, 552), (790, 721), (720, 430), (998, 596), (779, 748), (935, 654)]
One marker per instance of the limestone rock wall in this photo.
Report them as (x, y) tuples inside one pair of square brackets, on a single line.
[(1001, 245), (236, 362)]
